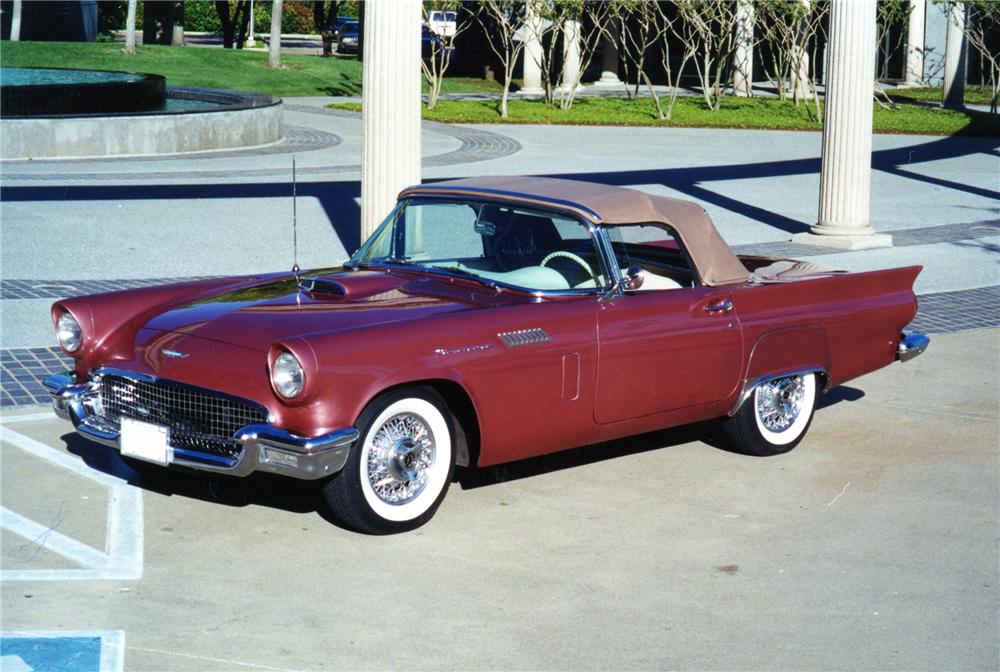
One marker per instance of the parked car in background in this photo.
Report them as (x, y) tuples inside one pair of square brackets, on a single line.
[(349, 38), (486, 320), (431, 42), (441, 22)]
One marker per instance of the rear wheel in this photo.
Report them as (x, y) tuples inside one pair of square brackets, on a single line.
[(775, 417), (399, 470)]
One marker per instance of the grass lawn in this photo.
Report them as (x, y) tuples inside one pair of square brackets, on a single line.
[(243, 70), (768, 113), (973, 94)]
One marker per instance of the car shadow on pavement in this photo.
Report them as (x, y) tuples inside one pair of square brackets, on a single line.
[(695, 181), (260, 489), (705, 432)]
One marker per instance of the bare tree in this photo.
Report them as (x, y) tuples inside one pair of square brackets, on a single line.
[(130, 27), (503, 21), (580, 23), (274, 43), (983, 21), (442, 48), (235, 25), (640, 24), (538, 23), (324, 21), (787, 28), (689, 49), (708, 27)]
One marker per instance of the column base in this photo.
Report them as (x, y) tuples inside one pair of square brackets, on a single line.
[(608, 79), (560, 90), (859, 240), (531, 91)]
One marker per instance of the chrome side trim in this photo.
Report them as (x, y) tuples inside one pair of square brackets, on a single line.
[(265, 447), (751, 383), (521, 337), (911, 345)]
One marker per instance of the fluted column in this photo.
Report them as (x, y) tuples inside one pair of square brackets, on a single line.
[(845, 171), (954, 56), (743, 57), (532, 68), (390, 109), (915, 43), (609, 57), (571, 54)]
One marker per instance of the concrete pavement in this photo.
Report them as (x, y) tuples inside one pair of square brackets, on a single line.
[(871, 546)]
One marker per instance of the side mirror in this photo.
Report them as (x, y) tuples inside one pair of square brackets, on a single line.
[(634, 277)]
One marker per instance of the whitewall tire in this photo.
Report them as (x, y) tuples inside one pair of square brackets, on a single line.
[(775, 417), (399, 470)]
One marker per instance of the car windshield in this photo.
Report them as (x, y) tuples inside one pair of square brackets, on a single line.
[(498, 244)]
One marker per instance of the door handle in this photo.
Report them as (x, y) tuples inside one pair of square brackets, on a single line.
[(724, 306)]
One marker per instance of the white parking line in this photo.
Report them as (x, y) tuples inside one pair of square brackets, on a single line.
[(122, 557), (27, 417)]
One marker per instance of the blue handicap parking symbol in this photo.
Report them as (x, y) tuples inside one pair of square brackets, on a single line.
[(50, 654)]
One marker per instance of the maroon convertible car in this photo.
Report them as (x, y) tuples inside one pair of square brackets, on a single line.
[(486, 320)]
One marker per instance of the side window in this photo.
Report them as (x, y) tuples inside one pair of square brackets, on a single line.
[(657, 251)]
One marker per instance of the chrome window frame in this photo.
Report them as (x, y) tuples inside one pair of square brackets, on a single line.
[(598, 235)]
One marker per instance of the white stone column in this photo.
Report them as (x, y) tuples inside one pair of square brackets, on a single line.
[(800, 56), (743, 57), (609, 57), (954, 56), (532, 68), (845, 171), (571, 54), (15, 21), (914, 75), (390, 108)]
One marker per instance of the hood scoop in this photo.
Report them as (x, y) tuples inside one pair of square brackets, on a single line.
[(318, 285), (350, 286)]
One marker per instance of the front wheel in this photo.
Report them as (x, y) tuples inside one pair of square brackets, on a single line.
[(774, 418), (399, 470)]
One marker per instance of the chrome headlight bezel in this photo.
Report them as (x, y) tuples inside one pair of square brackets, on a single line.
[(288, 377), (69, 335)]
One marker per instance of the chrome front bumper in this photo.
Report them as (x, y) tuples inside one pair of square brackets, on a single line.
[(911, 345), (265, 447)]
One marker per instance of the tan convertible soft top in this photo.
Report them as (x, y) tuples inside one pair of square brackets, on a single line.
[(714, 262)]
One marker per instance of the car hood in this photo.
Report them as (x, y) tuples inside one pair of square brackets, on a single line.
[(260, 313)]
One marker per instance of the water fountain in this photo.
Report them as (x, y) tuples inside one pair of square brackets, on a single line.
[(48, 113)]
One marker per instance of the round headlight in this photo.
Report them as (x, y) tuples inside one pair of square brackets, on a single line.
[(287, 375), (68, 333)]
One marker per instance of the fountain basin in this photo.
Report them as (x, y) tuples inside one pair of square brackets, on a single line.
[(93, 114)]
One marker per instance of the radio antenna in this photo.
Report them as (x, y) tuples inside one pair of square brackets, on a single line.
[(295, 227)]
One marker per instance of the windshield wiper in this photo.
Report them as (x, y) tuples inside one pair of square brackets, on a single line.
[(471, 276)]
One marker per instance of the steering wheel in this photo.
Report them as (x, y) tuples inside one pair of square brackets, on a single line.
[(569, 255)]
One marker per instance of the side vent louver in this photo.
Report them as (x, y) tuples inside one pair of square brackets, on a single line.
[(521, 337)]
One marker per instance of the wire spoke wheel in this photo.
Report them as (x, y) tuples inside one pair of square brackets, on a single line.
[(775, 417), (399, 470)]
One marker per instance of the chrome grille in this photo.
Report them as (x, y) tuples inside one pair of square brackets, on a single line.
[(198, 420)]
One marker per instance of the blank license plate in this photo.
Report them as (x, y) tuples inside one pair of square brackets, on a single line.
[(145, 441)]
